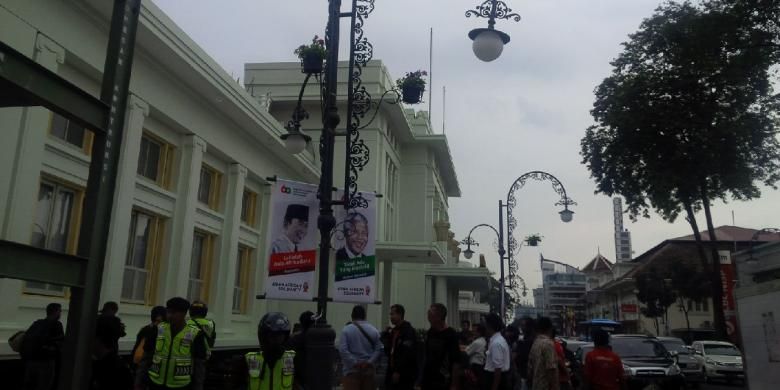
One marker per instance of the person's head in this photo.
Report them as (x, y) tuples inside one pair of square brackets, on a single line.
[(493, 324), (465, 325), (397, 313), (273, 332), (358, 313), (53, 311), (110, 308), (176, 309), (511, 333), (199, 309), (479, 330), (356, 232), (158, 314), (296, 222), (600, 338), (544, 326), (529, 326), (306, 319), (437, 314)]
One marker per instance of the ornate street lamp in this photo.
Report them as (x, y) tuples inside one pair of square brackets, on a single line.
[(489, 42), (751, 259), (511, 223), (468, 253)]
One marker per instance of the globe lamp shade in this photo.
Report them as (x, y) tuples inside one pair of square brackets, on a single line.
[(468, 254), (566, 215), (295, 142), (488, 43)]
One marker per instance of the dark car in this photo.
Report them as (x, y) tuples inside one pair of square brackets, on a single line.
[(647, 362), (689, 365)]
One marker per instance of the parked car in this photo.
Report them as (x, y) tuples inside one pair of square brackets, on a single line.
[(719, 360), (647, 363), (689, 365), (577, 372)]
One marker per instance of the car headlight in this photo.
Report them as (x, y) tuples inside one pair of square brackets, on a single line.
[(673, 370), (709, 361), (626, 370)]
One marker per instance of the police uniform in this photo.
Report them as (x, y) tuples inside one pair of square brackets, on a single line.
[(175, 357), (264, 377), (209, 329)]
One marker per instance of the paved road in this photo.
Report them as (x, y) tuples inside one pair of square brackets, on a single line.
[(723, 386)]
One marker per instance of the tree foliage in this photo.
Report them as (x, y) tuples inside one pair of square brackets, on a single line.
[(689, 115)]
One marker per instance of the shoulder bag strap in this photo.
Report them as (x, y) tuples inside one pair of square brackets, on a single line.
[(363, 331)]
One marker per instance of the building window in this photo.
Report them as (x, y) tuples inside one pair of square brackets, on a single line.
[(390, 197), (202, 250), (241, 283), (248, 207), (71, 133), (705, 305), (155, 160), (56, 225), (143, 252), (209, 187)]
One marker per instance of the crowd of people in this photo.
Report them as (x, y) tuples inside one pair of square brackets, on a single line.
[(173, 349)]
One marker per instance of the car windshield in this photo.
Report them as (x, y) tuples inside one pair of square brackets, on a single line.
[(638, 347), (676, 346), (723, 350)]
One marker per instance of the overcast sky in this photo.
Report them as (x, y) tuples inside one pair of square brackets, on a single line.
[(526, 111)]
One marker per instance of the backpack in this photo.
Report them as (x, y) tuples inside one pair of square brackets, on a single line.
[(15, 341)]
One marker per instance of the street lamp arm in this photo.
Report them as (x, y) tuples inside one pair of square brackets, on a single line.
[(470, 241)]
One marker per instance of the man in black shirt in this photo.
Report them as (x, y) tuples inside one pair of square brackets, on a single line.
[(148, 333), (401, 349), (41, 349), (441, 370)]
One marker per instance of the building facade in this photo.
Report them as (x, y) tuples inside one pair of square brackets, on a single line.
[(190, 210)]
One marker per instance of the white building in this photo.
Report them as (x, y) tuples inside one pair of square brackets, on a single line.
[(190, 208)]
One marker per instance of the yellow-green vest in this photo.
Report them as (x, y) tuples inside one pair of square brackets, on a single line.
[(207, 327), (261, 377), (172, 362)]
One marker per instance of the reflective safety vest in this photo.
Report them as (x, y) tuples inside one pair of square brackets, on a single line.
[(263, 377), (172, 361), (208, 328)]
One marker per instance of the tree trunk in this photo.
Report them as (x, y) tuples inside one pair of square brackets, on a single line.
[(657, 332), (687, 320), (719, 317), (714, 267)]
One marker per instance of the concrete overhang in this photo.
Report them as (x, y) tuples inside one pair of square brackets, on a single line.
[(441, 149), (462, 278), (411, 252)]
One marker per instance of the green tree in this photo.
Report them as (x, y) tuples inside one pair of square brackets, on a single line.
[(494, 298), (689, 284), (688, 116), (652, 289)]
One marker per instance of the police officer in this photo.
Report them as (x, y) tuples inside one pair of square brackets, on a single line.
[(273, 367), (198, 312), (175, 359)]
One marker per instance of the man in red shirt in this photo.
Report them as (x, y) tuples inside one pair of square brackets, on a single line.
[(563, 371), (603, 368)]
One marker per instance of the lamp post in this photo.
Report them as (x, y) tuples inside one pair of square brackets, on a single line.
[(468, 253), (489, 42), (566, 215)]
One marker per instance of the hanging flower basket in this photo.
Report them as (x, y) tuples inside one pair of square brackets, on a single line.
[(312, 55), (533, 240), (412, 86)]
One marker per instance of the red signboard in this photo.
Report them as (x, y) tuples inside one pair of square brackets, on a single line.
[(727, 282), (628, 308)]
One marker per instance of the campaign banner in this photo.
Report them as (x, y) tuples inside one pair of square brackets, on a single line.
[(292, 241), (355, 240), (727, 278)]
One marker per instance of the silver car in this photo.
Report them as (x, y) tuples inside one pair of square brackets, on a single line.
[(688, 363), (719, 360)]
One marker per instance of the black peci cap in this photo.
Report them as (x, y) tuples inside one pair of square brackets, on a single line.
[(297, 211)]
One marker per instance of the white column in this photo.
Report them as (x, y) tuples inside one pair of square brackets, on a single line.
[(228, 258), (176, 271), (26, 170), (440, 295), (118, 235)]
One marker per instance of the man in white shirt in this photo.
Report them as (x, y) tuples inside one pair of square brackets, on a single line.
[(498, 358)]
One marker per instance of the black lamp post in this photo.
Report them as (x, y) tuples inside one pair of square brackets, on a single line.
[(320, 339), (489, 42), (511, 223), (468, 253)]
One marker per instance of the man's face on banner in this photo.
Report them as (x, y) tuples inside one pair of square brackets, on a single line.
[(296, 230), (357, 236)]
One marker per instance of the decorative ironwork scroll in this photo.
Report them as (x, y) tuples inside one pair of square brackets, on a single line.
[(493, 9), (511, 202)]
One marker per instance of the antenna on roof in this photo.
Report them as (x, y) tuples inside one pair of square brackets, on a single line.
[(430, 75), (443, 109)]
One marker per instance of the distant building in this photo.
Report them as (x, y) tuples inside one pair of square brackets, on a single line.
[(622, 236), (563, 289)]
